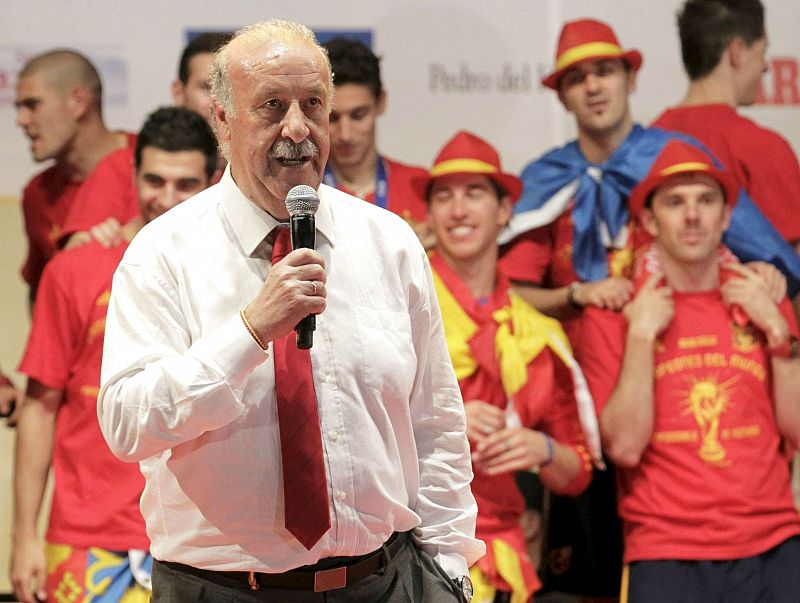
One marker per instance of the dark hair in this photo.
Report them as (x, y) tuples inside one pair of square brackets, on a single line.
[(205, 43), (175, 129), (706, 27), (353, 63)]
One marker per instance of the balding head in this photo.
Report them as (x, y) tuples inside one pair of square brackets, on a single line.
[(271, 89), (66, 69), (247, 49)]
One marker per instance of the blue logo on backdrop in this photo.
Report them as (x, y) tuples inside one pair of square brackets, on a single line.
[(323, 35)]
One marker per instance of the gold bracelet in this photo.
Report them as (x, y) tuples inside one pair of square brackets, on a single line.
[(251, 330)]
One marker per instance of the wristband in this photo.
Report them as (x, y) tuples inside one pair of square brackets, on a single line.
[(571, 290), (549, 441)]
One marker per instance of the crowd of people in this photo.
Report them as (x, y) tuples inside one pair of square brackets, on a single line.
[(583, 379)]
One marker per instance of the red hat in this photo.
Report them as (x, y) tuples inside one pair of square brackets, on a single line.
[(679, 157), (466, 153), (588, 39)]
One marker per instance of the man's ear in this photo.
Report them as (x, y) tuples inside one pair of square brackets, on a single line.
[(632, 81), (80, 101), (222, 125), (505, 210), (649, 222), (178, 93), (735, 51), (380, 106), (562, 101), (726, 220)]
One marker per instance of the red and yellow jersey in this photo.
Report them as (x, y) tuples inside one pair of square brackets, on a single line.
[(712, 483)]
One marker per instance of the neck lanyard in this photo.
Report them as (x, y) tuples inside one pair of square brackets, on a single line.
[(381, 183)]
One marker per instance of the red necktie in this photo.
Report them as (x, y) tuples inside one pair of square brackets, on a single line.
[(305, 486)]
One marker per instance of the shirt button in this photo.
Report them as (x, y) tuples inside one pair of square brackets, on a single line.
[(333, 435), (342, 495)]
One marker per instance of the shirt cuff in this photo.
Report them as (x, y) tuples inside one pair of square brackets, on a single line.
[(453, 564), (232, 350)]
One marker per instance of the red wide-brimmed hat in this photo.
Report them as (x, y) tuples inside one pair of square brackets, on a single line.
[(679, 157), (467, 153), (588, 39)]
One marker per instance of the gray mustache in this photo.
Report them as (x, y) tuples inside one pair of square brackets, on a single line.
[(288, 149)]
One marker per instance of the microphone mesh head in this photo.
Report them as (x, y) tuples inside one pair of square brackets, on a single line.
[(302, 199)]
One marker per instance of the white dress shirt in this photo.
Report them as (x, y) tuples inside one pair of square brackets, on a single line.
[(188, 393)]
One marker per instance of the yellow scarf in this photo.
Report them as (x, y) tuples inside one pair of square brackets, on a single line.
[(515, 347)]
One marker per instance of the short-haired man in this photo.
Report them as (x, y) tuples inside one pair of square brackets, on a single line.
[(59, 107), (724, 44), (355, 166), (336, 473), (96, 540), (514, 365), (108, 199), (698, 389)]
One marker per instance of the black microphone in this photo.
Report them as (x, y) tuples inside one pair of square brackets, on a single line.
[(302, 203)]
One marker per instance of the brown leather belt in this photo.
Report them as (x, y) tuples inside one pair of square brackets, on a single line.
[(350, 571)]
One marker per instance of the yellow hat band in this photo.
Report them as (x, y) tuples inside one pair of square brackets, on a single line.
[(687, 166), (456, 166), (587, 51)]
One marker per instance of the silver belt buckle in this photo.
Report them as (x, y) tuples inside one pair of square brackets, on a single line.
[(330, 579)]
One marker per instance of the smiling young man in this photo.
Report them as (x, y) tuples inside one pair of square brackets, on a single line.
[(697, 386), (274, 473), (59, 108), (355, 166), (724, 45), (96, 541), (514, 365)]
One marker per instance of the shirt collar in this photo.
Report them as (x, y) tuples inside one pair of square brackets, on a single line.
[(251, 224)]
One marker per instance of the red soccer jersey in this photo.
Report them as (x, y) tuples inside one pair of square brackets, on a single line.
[(96, 496), (712, 483), (543, 256), (762, 160), (45, 203), (109, 191), (401, 197)]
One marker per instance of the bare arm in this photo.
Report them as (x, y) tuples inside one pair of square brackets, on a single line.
[(752, 294), (521, 449), (35, 430), (611, 293), (786, 392), (626, 423)]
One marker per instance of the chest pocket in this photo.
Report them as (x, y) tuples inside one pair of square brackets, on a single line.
[(388, 357)]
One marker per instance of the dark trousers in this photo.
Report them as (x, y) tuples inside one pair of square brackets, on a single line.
[(409, 576), (772, 576)]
